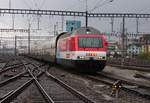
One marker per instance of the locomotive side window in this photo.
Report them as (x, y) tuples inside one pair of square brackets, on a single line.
[(84, 42)]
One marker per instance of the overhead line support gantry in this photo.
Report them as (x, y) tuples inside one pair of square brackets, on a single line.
[(72, 13)]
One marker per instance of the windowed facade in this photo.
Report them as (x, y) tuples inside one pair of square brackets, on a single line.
[(133, 49)]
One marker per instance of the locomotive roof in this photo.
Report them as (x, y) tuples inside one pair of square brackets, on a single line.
[(64, 34), (86, 30)]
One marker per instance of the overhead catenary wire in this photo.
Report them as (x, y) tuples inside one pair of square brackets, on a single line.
[(100, 4), (42, 4), (75, 4), (28, 5)]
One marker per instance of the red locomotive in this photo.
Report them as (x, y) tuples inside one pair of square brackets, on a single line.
[(84, 49)]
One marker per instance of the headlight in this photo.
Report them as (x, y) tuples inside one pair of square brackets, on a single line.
[(80, 57), (100, 57)]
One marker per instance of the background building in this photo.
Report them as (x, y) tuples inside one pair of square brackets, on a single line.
[(133, 49), (131, 43), (145, 42)]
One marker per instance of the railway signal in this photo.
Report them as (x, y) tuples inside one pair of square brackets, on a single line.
[(116, 88)]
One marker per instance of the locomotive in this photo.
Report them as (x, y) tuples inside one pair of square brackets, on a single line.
[(84, 49)]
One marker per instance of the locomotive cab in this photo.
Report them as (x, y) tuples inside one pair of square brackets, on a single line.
[(84, 49)]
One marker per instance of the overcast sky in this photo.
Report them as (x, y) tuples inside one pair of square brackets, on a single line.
[(101, 6), (104, 5)]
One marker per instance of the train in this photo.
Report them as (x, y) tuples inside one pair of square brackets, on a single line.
[(85, 48)]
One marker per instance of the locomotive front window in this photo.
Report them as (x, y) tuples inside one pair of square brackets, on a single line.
[(88, 42)]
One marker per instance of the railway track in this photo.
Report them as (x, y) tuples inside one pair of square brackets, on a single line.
[(131, 62), (145, 69), (11, 69), (34, 84), (58, 91), (68, 93), (8, 89), (51, 89), (121, 83)]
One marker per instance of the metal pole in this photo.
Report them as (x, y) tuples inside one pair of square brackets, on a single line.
[(123, 37), (15, 44), (112, 25), (1, 41), (126, 41), (9, 4), (54, 30), (57, 28), (13, 21), (13, 16), (86, 19), (62, 23), (123, 40), (38, 22), (29, 39), (137, 25), (86, 16)]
